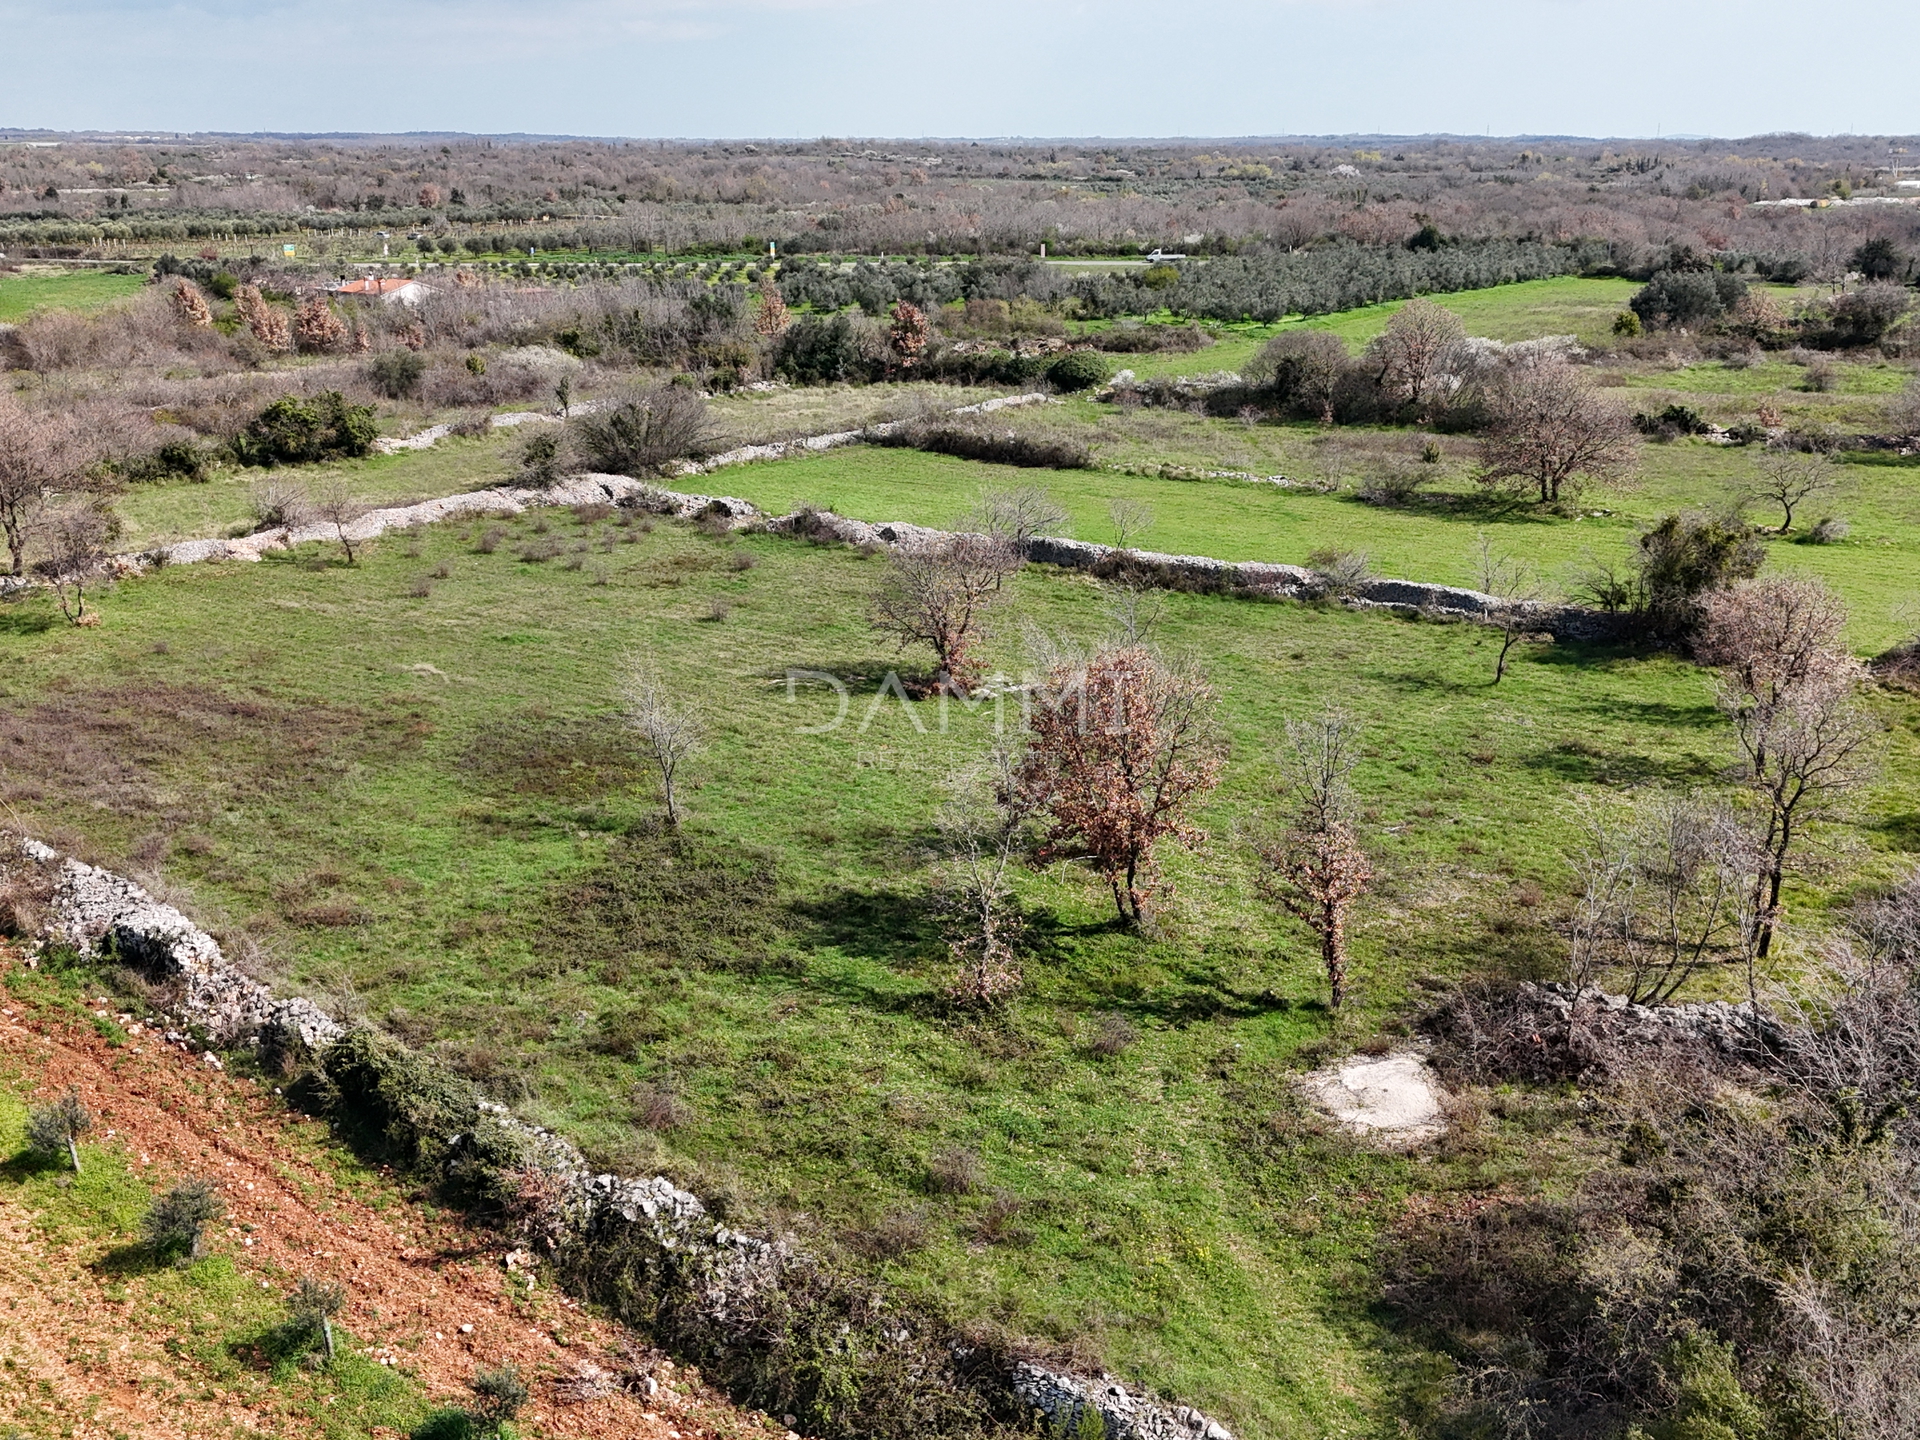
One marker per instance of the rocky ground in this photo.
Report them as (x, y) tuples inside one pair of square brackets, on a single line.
[(432, 1297)]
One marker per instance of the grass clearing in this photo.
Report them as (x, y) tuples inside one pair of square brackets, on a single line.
[(428, 809), (82, 291)]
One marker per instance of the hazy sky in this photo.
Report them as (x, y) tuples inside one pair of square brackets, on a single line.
[(994, 67)]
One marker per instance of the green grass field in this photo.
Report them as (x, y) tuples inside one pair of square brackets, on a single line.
[(419, 807), (1875, 569), (79, 290)]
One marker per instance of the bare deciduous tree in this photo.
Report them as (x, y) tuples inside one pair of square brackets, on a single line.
[(73, 542), (1549, 432), (1118, 749), (1514, 583), (937, 592), (1769, 636), (39, 453), (336, 505), (1790, 478), (1314, 867), (1016, 515), (1130, 520), (1663, 892), (983, 832), (670, 734), (1804, 753), (1412, 353)]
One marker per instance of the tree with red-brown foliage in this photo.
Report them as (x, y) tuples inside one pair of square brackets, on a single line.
[(317, 328), (267, 323), (1313, 866), (1119, 748), (907, 335), (191, 306)]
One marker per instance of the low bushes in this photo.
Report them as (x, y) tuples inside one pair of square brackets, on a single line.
[(292, 431), (999, 447)]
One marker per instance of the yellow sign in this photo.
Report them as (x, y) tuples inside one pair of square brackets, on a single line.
[(286, 249)]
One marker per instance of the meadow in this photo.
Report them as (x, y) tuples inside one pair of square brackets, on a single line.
[(80, 291), (420, 806)]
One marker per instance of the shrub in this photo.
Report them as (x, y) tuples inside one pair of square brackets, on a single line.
[(396, 373), (57, 1127), (644, 431), (1687, 297), (954, 1172), (291, 431), (176, 1223), (175, 460), (540, 459), (1683, 558), (279, 505), (1672, 421), (1626, 325), (1077, 370), (1114, 1037), (817, 350), (999, 447), (1829, 531), (1136, 339)]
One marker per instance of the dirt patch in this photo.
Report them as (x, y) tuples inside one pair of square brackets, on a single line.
[(434, 1296), (1389, 1098)]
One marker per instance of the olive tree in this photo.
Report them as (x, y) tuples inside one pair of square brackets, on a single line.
[(59, 1126)]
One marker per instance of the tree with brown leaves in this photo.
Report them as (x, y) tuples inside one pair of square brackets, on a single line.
[(1118, 749), (1549, 433), (191, 306), (907, 335), (267, 323), (1315, 868), (317, 328), (771, 317), (937, 593)]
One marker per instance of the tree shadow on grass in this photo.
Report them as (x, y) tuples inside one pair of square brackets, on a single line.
[(1576, 762), (29, 1163), (138, 1258), (16, 620), (278, 1347), (1902, 831)]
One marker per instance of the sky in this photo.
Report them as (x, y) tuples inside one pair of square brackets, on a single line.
[(898, 68)]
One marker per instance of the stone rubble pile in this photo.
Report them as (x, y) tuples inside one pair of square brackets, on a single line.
[(1735, 1030)]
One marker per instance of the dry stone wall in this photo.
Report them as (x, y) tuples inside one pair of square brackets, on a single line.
[(727, 1272)]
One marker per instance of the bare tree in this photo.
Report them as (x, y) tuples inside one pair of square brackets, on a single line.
[(73, 542), (669, 734), (1412, 353), (1016, 515), (1790, 478), (1804, 754), (1516, 585), (1903, 412), (1118, 749), (1663, 890), (1768, 637), (39, 453), (1315, 867), (937, 593), (1130, 520), (279, 504), (982, 828), (1549, 432), (336, 505)]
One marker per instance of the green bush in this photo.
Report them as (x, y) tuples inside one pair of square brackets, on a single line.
[(176, 1223), (820, 351), (396, 374), (1077, 370), (292, 431), (175, 460)]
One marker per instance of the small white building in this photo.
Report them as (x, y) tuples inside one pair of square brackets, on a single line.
[(388, 289)]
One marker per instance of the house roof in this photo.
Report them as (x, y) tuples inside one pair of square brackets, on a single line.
[(375, 285)]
